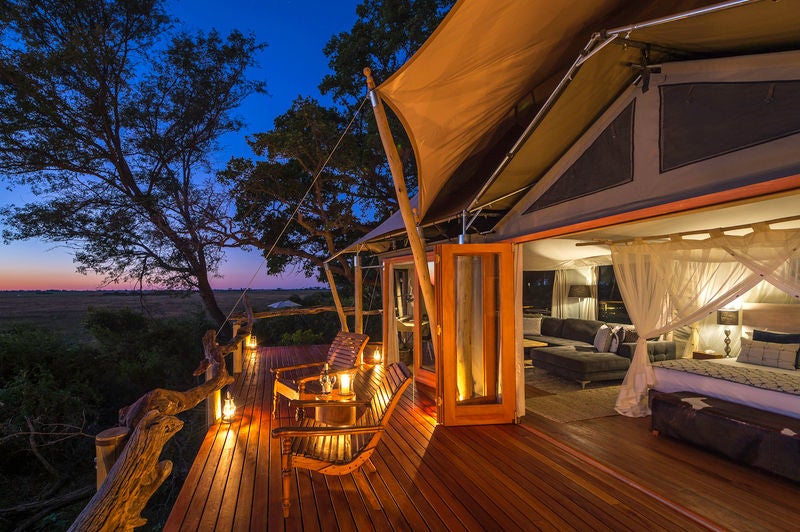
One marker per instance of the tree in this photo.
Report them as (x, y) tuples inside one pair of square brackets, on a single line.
[(341, 203), (355, 191), (110, 117)]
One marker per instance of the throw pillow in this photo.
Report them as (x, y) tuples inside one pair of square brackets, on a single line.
[(617, 337), (631, 336), (776, 337), (768, 354), (779, 338), (532, 326), (602, 339)]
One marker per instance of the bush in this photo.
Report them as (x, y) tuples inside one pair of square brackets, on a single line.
[(72, 389)]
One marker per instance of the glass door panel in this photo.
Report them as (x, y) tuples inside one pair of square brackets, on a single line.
[(408, 331), (475, 295)]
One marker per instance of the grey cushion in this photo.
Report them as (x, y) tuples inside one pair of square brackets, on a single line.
[(551, 326), (581, 330)]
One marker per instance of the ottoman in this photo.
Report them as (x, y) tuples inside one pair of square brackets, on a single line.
[(582, 365)]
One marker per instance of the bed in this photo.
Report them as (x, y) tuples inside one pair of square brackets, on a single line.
[(763, 387), (747, 408)]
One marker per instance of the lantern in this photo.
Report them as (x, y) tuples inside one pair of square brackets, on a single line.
[(376, 356), (228, 408), (252, 342), (346, 383)]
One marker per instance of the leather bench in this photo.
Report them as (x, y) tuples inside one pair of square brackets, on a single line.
[(745, 434)]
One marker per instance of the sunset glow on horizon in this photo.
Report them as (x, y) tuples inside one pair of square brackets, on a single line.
[(25, 266)]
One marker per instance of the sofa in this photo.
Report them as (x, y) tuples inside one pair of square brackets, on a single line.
[(587, 350)]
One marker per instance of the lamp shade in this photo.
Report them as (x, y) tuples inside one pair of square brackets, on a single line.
[(579, 290), (727, 317)]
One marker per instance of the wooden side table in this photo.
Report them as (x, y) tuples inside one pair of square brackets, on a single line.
[(702, 355)]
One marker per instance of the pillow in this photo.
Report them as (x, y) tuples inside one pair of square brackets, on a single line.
[(617, 337), (631, 336), (776, 337), (602, 340), (532, 326), (768, 354)]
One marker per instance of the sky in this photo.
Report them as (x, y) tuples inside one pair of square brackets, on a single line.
[(292, 65)]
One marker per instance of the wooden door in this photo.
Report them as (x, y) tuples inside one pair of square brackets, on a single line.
[(475, 296)]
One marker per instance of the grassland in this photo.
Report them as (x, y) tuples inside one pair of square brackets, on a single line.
[(66, 310)]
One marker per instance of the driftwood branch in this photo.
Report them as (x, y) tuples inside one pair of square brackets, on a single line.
[(137, 473), (301, 311), (47, 507)]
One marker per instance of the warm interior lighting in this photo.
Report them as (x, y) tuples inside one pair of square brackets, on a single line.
[(376, 356), (727, 317), (579, 291), (345, 383), (228, 408)]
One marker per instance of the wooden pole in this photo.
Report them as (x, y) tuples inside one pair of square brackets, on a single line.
[(414, 238), (238, 353), (336, 300), (359, 317)]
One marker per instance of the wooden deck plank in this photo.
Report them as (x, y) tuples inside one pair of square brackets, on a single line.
[(606, 473)]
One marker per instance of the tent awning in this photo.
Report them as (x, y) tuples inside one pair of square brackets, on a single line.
[(469, 83)]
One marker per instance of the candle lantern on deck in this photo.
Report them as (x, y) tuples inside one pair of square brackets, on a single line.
[(228, 408), (346, 383), (376, 356), (252, 342)]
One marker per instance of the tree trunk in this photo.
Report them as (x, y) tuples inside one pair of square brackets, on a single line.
[(210, 300)]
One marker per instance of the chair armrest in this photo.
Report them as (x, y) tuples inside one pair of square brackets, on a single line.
[(282, 432), (277, 371)]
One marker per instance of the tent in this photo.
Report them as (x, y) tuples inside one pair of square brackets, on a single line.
[(562, 118), (503, 88)]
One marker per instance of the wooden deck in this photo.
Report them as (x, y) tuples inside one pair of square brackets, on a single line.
[(602, 474)]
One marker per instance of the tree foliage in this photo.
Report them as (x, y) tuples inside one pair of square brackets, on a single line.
[(329, 207), (354, 191), (56, 394), (110, 117)]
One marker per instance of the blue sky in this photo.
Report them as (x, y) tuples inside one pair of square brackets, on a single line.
[(292, 65)]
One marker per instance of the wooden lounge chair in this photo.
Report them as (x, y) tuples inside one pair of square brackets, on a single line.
[(335, 450), (344, 354)]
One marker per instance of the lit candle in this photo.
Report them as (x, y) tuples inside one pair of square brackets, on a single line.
[(228, 408), (376, 356), (252, 342), (345, 383)]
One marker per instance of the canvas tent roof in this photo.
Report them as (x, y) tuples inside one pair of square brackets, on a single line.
[(456, 94)]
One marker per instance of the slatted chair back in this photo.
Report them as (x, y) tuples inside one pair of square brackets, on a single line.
[(344, 353), (346, 350), (333, 450)]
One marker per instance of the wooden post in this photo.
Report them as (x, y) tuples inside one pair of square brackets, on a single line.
[(213, 408), (238, 353), (108, 446), (359, 304), (336, 300), (414, 238)]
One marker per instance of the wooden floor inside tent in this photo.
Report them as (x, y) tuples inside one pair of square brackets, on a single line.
[(604, 473)]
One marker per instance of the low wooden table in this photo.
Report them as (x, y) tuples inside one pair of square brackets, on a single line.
[(528, 344), (702, 355), (533, 343), (332, 409)]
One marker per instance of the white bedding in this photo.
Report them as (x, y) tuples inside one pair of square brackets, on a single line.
[(673, 380)]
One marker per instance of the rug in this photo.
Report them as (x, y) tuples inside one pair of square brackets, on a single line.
[(550, 383), (575, 406)]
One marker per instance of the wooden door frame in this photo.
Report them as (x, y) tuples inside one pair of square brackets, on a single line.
[(421, 375), (449, 412)]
